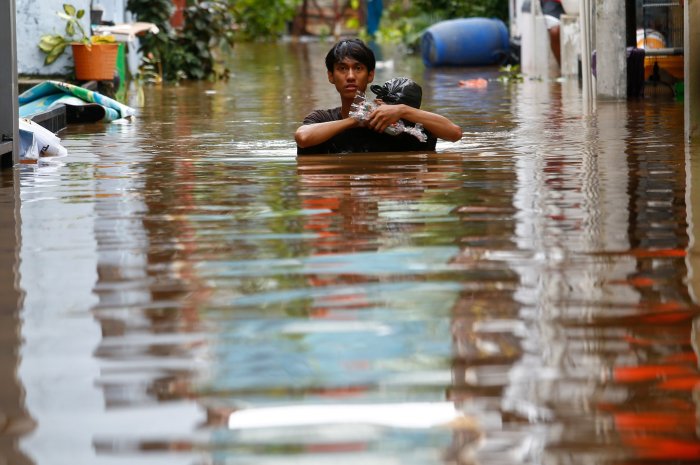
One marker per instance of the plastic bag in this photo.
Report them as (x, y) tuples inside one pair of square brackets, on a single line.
[(361, 109), (37, 141), (399, 90)]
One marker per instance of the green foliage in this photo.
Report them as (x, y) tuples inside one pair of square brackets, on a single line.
[(354, 22), (53, 45), (263, 20), (148, 71), (398, 26), (208, 30), (158, 48), (407, 25), (462, 9), (195, 51), (510, 73)]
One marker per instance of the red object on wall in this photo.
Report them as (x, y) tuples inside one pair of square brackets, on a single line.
[(177, 20)]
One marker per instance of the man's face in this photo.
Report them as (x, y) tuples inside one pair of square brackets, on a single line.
[(349, 76)]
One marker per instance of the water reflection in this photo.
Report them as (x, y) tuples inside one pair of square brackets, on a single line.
[(15, 419), (194, 293)]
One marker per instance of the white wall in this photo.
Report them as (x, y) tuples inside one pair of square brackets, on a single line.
[(38, 17)]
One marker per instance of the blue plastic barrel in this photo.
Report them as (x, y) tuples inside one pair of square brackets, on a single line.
[(465, 42)]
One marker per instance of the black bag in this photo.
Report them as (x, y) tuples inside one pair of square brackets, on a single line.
[(399, 90)]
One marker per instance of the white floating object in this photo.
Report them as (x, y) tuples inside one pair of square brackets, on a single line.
[(398, 415), (45, 143)]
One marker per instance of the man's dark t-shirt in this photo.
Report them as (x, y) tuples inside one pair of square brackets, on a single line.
[(362, 139)]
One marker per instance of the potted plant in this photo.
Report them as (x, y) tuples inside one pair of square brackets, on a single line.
[(95, 57)]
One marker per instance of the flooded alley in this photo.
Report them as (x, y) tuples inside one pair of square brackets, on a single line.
[(184, 289)]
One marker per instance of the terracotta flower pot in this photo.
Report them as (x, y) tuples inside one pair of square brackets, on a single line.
[(95, 63)]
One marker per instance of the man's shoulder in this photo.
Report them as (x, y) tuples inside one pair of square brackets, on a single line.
[(322, 116)]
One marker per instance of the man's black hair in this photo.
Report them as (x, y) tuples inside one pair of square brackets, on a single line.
[(350, 48)]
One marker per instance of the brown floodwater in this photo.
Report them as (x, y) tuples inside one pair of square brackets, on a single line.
[(182, 289)]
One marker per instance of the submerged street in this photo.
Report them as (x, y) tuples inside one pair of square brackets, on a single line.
[(184, 289)]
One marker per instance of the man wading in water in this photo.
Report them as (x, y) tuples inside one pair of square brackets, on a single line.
[(350, 65)]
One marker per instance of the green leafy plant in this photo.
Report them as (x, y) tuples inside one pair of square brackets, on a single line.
[(194, 51), (263, 20), (510, 73), (55, 44), (407, 25), (157, 47), (207, 34), (353, 22)]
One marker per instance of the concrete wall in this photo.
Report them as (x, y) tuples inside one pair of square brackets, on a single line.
[(38, 17), (692, 70), (9, 150), (610, 44)]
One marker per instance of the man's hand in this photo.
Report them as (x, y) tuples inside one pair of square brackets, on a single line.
[(384, 116), (439, 126)]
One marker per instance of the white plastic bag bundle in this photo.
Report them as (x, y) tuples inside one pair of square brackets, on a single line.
[(361, 109), (37, 141)]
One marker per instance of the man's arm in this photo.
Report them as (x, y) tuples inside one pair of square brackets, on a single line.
[(308, 135), (437, 125)]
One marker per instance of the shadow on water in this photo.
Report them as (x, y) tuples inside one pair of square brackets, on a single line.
[(192, 292)]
